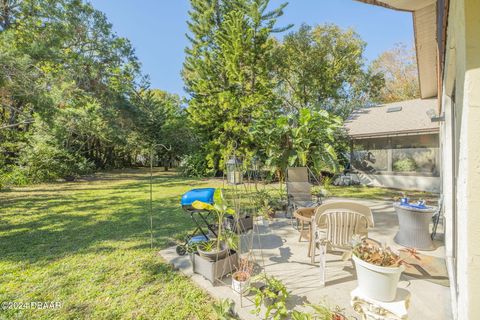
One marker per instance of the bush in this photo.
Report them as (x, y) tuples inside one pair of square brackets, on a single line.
[(405, 165), (46, 160), (49, 164), (195, 165), (13, 176)]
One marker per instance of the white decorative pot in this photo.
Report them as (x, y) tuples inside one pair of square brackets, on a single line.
[(240, 286), (376, 282)]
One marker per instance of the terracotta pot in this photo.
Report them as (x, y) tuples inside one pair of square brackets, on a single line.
[(338, 316)]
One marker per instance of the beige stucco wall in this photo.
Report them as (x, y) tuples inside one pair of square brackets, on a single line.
[(421, 183), (462, 74)]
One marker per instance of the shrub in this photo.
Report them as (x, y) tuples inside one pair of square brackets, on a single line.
[(45, 159), (405, 165), (47, 164), (195, 165), (13, 176)]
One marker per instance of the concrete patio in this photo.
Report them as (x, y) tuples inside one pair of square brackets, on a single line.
[(284, 257)]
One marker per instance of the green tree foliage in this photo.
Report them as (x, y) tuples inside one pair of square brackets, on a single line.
[(399, 67), (73, 99), (306, 138), (227, 73), (65, 75), (164, 125), (322, 67)]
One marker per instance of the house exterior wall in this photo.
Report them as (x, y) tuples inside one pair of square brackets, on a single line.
[(461, 181), (421, 183)]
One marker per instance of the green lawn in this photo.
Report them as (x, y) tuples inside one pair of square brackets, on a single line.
[(86, 245), (375, 193)]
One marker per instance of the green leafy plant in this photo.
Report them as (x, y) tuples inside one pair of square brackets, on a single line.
[(195, 165), (192, 247), (299, 315), (263, 201), (220, 209), (327, 182), (273, 295), (405, 165), (320, 312), (224, 309), (207, 246), (305, 137)]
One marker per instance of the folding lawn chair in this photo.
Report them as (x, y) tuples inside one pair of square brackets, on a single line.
[(299, 190)]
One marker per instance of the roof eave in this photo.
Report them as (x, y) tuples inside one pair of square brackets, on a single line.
[(382, 4)]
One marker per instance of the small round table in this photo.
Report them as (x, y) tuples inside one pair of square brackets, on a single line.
[(304, 217), (414, 222)]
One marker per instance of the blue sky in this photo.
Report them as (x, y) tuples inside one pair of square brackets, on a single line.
[(157, 29)]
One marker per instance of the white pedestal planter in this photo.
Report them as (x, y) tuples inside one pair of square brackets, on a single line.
[(370, 309), (375, 282)]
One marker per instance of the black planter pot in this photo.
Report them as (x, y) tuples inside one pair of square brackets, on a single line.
[(239, 225)]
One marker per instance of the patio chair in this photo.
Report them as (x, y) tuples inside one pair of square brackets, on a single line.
[(299, 190), (341, 226), (347, 205)]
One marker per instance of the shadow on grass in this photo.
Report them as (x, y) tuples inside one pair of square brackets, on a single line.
[(43, 228), (168, 181), (58, 234)]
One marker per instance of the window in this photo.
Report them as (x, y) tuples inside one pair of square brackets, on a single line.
[(416, 154)]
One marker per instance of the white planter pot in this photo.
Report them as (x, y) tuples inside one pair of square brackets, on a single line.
[(240, 286), (265, 222), (375, 282)]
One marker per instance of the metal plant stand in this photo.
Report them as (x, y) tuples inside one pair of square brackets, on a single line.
[(414, 225)]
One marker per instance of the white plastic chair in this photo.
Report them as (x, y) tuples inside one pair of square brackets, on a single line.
[(335, 228)]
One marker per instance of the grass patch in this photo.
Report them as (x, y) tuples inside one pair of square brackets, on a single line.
[(86, 245), (376, 193)]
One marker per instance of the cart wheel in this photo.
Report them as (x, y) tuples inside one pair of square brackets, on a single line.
[(181, 250)]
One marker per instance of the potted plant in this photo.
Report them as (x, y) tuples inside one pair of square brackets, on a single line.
[(267, 213), (264, 210), (212, 250), (216, 257), (273, 296), (240, 223), (241, 277), (279, 201), (224, 310), (378, 270), (320, 312)]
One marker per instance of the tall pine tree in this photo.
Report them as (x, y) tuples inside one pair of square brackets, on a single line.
[(226, 72)]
